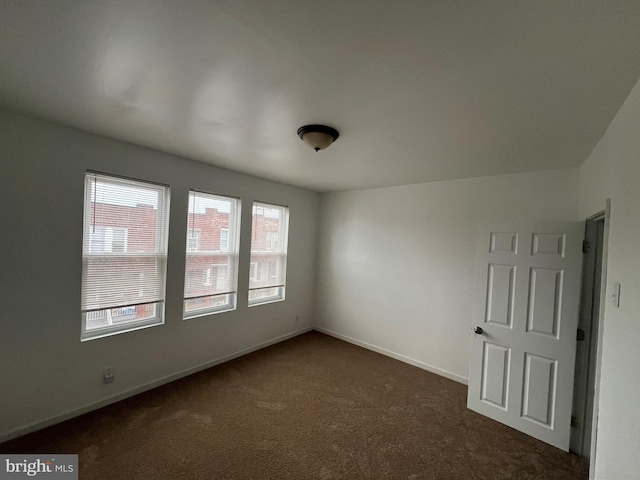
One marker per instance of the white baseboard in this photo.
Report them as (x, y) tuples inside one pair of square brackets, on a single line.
[(397, 356), (18, 432)]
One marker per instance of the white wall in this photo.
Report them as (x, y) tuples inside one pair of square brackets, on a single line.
[(613, 171), (396, 265), (45, 371)]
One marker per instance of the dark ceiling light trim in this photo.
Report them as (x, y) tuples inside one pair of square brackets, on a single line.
[(318, 137)]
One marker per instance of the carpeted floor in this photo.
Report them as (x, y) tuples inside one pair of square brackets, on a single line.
[(311, 407)]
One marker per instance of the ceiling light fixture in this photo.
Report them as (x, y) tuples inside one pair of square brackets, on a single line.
[(318, 137)]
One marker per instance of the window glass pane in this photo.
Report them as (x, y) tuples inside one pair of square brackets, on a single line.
[(124, 255), (268, 253), (212, 254)]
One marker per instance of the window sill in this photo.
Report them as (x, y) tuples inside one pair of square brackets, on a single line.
[(115, 330), (264, 301), (208, 312)]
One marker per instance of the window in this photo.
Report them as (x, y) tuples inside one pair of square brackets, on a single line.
[(268, 253), (216, 274), (272, 241), (124, 255), (211, 268), (108, 239), (208, 275), (253, 271), (224, 239), (193, 240)]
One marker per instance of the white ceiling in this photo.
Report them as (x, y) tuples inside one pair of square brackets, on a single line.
[(420, 90)]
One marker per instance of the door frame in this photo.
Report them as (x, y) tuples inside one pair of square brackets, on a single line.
[(588, 323), (601, 317)]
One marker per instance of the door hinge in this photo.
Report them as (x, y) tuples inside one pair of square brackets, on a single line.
[(580, 335), (574, 421), (585, 246)]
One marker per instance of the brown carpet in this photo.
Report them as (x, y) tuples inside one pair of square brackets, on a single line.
[(311, 407)]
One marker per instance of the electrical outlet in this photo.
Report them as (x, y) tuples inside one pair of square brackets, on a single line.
[(108, 375)]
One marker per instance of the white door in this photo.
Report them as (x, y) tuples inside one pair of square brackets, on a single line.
[(526, 303)]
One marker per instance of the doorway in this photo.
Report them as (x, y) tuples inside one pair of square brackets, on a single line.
[(582, 419)]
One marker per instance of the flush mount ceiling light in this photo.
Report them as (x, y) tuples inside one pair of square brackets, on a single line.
[(318, 137)]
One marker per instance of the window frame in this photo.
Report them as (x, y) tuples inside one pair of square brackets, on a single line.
[(157, 316), (282, 241), (230, 298)]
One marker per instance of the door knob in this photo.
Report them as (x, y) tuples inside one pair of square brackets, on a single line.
[(478, 330)]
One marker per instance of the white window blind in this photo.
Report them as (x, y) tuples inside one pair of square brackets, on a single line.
[(124, 255), (211, 269), (269, 231)]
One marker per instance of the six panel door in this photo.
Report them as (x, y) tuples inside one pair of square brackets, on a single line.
[(526, 302)]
